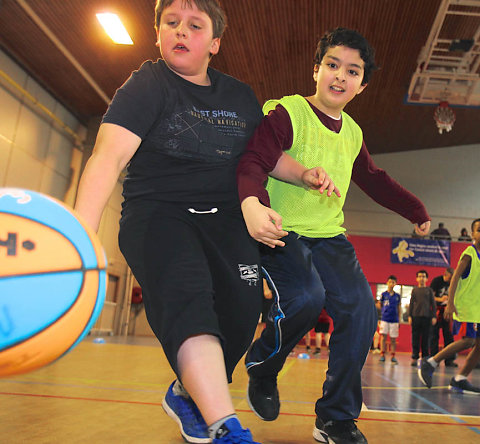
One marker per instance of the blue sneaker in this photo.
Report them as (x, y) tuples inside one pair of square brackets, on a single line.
[(186, 414), (231, 432)]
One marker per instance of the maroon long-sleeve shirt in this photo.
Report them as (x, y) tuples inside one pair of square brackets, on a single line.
[(275, 135)]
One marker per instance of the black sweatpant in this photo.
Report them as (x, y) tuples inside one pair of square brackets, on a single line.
[(420, 336), (199, 272)]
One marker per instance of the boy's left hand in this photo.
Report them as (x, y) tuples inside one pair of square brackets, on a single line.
[(318, 179), (449, 310), (423, 229)]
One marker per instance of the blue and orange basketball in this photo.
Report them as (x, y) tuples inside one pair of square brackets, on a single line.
[(52, 280)]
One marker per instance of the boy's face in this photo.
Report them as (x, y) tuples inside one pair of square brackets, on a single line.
[(339, 78), (476, 234), (185, 39), (422, 279), (391, 284), (447, 276)]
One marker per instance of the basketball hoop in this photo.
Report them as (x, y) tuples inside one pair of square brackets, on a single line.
[(444, 117)]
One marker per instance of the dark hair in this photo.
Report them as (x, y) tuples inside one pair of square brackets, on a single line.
[(422, 271), (351, 39), (474, 222), (450, 270), (210, 7), (392, 277)]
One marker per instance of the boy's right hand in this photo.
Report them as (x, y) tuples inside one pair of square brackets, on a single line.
[(318, 179), (263, 223)]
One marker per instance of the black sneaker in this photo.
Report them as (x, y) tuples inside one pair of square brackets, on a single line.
[(338, 432), (425, 373), (463, 386), (262, 397)]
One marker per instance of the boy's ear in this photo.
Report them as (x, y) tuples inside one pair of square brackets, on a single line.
[(215, 46), (316, 67), (362, 87), (157, 43)]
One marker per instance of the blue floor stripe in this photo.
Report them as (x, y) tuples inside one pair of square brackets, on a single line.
[(434, 406)]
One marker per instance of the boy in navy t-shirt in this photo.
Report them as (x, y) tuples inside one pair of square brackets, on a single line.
[(180, 128), (391, 308)]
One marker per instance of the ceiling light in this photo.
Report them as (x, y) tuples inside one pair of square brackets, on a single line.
[(114, 28)]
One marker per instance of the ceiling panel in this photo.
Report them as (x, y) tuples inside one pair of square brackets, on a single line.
[(268, 43)]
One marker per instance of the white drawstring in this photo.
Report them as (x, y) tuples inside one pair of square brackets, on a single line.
[(211, 211)]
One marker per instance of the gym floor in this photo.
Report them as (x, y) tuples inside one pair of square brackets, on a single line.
[(111, 392)]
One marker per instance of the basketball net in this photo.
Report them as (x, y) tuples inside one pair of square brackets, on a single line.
[(444, 117)]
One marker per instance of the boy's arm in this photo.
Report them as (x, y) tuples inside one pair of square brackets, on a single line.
[(410, 306), (291, 171), (264, 149), (113, 149), (399, 308), (384, 190), (262, 153), (433, 307), (463, 264)]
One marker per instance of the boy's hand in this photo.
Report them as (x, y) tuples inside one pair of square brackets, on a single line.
[(318, 179), (434, 321), (263, 223), (423, 229), (449, 310), (410, 320)]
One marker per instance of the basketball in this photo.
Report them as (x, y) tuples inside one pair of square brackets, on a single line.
[(52, 280)]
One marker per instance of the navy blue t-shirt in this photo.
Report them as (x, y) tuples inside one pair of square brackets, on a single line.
[(192, 135), (390, 306)]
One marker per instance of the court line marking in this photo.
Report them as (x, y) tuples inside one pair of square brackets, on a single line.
[(285, 369), (417, 413), (428, 402), (158, 404)]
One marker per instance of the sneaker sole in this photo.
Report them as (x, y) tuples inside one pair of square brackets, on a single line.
[(419, 371), (187, 438), (459, 390), (321, 436), (253, 408)]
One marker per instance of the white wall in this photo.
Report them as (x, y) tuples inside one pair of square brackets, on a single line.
[(445, 179), (34, 154), (37, 154)]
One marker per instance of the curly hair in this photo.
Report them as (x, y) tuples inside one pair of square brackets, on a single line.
[(351, 39)]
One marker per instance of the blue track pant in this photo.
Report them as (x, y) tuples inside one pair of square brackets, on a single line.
[(306, 275)]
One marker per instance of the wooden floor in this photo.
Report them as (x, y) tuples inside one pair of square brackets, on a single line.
[(111, 393)]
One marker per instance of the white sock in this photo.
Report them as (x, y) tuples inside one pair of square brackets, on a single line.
[(212, 429), (432, 362), (460, 378), (179, 390)]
